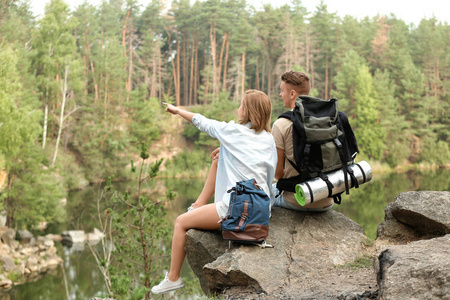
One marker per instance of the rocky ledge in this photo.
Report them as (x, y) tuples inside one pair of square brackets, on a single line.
[(20, 262), (24, 257), (328, 256)]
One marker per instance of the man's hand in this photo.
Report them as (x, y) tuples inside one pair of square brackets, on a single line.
[(171, 109)]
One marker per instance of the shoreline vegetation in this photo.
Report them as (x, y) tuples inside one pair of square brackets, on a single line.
[(76, 103), (82, 89)]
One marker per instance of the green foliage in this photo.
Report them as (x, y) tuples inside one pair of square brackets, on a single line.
[(432, 180), (15, 276), (137, 228), (370, 136), (365, 262), (188, 163), (432, 152), (99, 140), (346, 82), (33, 192), (36, 194), (71, 173), (396, 127), (145, 117), (222, 110), (391, 79)]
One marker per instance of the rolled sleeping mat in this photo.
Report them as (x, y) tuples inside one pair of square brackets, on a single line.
[(316, 189)]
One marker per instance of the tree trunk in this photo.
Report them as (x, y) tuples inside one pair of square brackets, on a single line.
[(124, 33), (153, 80), (8, 205), (212, 37), (312, 71), (225, 66), (174, 68), (124, 30), (177, 86), (263, 78), (196, 70), (307, 46), (61, 117), (257, 76), (269, 71), (95, 83), (185, 71), (130, 65), (159, 70), (243, 76), (224, 41), (326, 77), (44, 134), (102, 79), (191, 78)]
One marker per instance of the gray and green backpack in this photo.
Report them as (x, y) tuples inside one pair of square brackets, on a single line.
[(323, 142)]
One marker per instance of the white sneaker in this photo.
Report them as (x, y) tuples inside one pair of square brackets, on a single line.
[(191, 208), (166, 286)]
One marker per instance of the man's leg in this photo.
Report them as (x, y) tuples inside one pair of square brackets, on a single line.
[(280, 202)]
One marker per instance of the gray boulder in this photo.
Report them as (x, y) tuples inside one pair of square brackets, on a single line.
[(309, 260), (7, 236), (419, 270), (427, 212), (95, 237), (24, 236), (73, 237), (396, 232), (416, 215), (7, 263)]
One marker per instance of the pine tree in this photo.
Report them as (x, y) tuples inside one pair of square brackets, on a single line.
[(367, 129), (54, 59), (323, 26), (32, 193), (346, 82)]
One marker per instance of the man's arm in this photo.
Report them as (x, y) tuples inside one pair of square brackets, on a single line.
[(279, 142), (279, 172)]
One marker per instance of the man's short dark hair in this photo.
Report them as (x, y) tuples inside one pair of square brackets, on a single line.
[(299, 81)]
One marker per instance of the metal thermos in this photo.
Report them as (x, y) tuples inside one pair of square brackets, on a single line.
[(317, 188)]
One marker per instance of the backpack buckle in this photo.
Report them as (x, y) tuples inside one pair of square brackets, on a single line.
[(337, 143)]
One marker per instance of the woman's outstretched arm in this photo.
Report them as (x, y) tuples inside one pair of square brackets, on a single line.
[(178, 111)]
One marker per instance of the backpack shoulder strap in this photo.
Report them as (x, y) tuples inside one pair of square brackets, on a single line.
[(287, 115), (348, 131)]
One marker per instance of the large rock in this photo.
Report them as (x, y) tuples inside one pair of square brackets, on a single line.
[(8, 236), (396, 232), (306, 261), (73, 237), (427, 212), (7, 263), (95, 237), (24, 236), (416, 215), (419, 270)]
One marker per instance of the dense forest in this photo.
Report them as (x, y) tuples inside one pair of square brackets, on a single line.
[(80, 90)]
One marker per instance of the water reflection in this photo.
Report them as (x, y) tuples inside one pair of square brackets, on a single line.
[(79, 271), (366, 204), (84, 281)]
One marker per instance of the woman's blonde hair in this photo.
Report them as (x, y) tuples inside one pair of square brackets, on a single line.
[(257, 109)]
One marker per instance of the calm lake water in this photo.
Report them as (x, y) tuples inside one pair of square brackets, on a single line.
[(84, 281)]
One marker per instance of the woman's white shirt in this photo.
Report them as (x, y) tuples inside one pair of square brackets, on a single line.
[(244, 154)]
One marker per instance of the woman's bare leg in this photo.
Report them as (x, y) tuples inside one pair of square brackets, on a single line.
[(204, 217), (209, 188)]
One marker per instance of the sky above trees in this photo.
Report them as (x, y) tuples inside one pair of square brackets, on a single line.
[(408, 11)]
